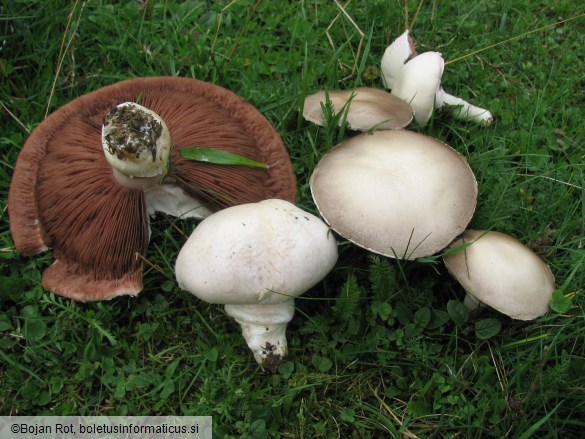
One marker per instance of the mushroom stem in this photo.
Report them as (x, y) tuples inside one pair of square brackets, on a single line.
[(137, 144), (144, 183), (462, 109), (264, 327)]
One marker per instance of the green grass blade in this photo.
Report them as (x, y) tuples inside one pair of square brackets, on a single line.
[(218, 157), (534, 427)]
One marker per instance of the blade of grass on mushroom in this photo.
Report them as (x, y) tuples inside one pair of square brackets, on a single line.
[(219, 157)]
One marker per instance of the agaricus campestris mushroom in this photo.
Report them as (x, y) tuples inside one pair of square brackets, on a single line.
[(396, 193), (64, 194), (497, 270), (256, 258), (417, 80), (367, 108)]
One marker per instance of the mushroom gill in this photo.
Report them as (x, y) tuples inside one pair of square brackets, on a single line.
[(63, 193)]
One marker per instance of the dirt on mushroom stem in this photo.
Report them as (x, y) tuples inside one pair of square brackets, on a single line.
[(271, 361), (131, 131)]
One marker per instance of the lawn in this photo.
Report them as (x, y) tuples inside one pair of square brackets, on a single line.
[(381, 347)]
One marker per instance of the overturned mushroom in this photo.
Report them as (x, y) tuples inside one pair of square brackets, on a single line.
[(417, 80), (256, 258), (397, 193), (64, 194), (501, 272), (366, 108)]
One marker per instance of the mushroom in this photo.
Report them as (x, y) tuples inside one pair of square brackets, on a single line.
[(418, 83), (497, 270), (64, 194), (397, 193), (417, 80), (256, 258), (367, 108)]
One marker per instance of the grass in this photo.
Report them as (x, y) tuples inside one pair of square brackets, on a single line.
[(380, 348)]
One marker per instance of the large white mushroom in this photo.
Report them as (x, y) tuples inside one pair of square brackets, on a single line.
[(499, 271), (256, 258), (417, 80), (396, 193)]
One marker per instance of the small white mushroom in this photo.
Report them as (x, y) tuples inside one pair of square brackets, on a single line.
[(256, 258), (417, 80), (396, 193), (367, 108), (497, 270)]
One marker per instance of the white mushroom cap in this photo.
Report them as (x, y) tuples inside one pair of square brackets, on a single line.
[(256, 258), (396, 193), (418, 83), (394, 58), (266, 252), (499, 271), (136, 142), (369, 108)]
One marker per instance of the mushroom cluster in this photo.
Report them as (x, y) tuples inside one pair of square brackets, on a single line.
[(405, 195), (90, 175), (413, 79)]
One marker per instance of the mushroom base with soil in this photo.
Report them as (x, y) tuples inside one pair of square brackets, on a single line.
[(264, 329)]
